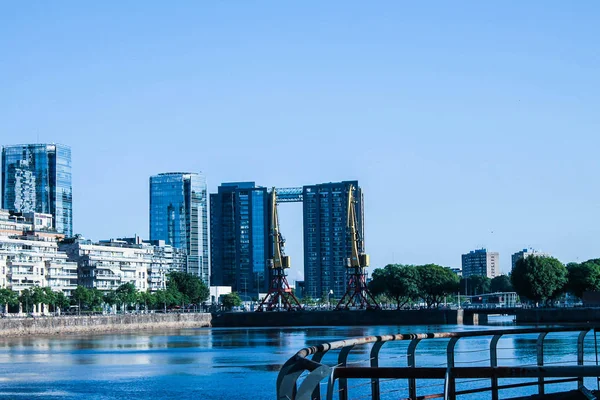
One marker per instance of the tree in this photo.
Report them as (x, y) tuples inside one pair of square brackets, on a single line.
[(539, 278), (398, 282), (501, 283), (583, 277), (435, 282), (191, 287), (81, 295), (475, 284), (61, 301), (110, 298), (127, 294), (26, 298), (50, 297), (8, 298), (231, 300)]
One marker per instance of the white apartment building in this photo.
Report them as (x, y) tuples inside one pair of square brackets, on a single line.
[(29, 261), (106, 265)]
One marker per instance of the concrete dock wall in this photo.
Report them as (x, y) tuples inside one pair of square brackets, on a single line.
[(348, 318), (100, 323)]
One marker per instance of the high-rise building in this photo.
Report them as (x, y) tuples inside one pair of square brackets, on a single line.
[(37, 178), (481, 262), (179, 216), (239, 233), (326, 244), (526, 253)]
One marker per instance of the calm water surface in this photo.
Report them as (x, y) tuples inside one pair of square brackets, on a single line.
[(205, 363)]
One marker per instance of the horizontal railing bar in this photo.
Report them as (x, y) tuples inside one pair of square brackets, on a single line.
[(467, 372), (324, 347)]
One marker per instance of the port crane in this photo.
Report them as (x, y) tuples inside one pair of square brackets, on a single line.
[(357, 293), (280, 295)]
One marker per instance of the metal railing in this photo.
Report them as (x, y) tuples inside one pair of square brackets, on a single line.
[(303, 375)]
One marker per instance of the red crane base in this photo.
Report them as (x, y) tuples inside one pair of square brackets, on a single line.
[(279, 291), (357, 294)]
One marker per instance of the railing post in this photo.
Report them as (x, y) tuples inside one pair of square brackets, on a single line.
[(317, 357), (412, 363), (540, 360), (343, 382), (375, 390), (494, 363), (580, 354), (450, 364)]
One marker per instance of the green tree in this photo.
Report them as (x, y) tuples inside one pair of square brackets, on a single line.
[(167, 297), (583, 277), (146, 299), (26, 298), (501, 283), (50, 297), (231, 300), (398, 282), (475, 284), (82, 296), (61, 301), (435, 282), (110, 298), (127, 294), (539, 278), (191, 287), (8, 298)]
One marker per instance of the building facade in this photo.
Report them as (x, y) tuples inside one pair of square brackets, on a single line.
[(481, 262), (37, 178), (29, 261), (326, 242), (108, 264), (179, 217), (524, 254), (239, 231)]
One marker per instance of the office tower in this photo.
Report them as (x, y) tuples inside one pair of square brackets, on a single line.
[(239, 235), (326, 242), (37, 178), (526, 253), (179, 216), (481, 262)]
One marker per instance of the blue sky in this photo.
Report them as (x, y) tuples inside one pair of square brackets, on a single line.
[(468, 124)]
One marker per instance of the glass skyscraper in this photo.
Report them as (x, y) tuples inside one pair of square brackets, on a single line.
[(239, 233), (179, 216), (37, 178), (326, 243)]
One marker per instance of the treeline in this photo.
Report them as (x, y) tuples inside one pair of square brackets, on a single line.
[(546, 279), (182, 290), (404, 284), (537, 279)]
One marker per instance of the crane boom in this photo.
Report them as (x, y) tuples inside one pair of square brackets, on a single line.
[(357, 294)]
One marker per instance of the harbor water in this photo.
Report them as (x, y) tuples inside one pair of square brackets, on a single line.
[(204, 363)]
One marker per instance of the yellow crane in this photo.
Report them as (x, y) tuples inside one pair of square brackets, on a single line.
[(357, 294), (280, 295)]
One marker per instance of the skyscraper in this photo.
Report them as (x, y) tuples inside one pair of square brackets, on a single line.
[(179, 216), (239, 236), (37, 178), (326, 244), (481, 262)]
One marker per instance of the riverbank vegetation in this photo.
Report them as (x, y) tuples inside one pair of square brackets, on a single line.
[(183, 290), (537, 280)]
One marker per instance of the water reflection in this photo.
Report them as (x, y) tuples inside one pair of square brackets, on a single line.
[(206, 363)]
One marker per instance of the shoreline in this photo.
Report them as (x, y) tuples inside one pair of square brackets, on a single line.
[(54, 326)]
